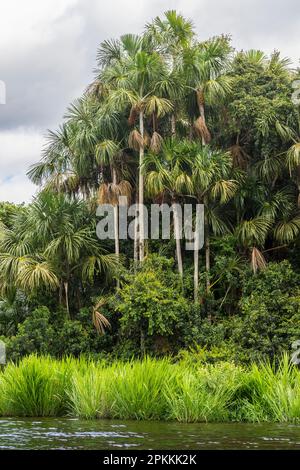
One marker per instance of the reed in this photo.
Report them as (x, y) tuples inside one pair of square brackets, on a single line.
[(151, 389), (35, 387)]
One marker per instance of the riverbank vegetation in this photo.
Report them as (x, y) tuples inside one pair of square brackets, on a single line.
[(151, 389), (169, 118)]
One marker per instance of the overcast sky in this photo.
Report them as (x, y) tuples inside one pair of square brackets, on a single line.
[(48, 48)]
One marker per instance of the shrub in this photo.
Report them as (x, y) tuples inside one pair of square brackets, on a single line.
[(71, 339), (270, 312), (35, 334), (151, 302)]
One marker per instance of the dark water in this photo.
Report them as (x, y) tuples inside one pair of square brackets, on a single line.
[(48, 433)]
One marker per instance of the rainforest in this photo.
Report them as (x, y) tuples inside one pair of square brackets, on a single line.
[(143, 328)]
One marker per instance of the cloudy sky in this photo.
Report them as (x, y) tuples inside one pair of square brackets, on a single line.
[(47, 56)]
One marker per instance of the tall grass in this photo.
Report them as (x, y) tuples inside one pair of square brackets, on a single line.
[(137, 389), (87, 396), (35, 387), (269, 394), (151, 389), (204, 394)]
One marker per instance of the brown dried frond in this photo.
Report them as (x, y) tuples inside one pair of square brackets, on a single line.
[(97, 89), (133, 115), (103, 194), (200, 98), (240, 158), (258, 261), (109, 193), (202, 130), (156, 141), (135, 140), (99, 320), (126, 190), (147, 139)]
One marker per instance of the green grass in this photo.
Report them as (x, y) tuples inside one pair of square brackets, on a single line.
[(151, 390)]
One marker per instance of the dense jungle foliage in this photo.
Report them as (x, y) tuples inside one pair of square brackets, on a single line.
[(168, 119)]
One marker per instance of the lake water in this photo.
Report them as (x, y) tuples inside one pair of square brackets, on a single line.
[(63, 433)]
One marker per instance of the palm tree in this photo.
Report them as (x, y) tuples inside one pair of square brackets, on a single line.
[(205, 67), (52, 244), (167, 177), (169, 37), (107, 153), (132, 74), (290, 133), (211, 172)]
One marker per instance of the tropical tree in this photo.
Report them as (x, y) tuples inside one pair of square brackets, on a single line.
[(167, 178), (205, 66), (53, 244), (132, 72), (213, 186)]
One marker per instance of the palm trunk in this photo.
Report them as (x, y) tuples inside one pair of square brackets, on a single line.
[(141, 190), (136, 241), (177, 239), (202, 114), (207, 251), (116, 223), (298, 185), (200, 101), (66, 286), (196, 274), (173, 126), (196, 263), (60, 293)]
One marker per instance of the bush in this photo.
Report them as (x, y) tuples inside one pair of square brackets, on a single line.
[(35, 334), (151, 302), (270, 309), (71, 339)]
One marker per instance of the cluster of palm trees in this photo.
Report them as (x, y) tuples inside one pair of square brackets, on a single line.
[(143, 129), (52, 244)]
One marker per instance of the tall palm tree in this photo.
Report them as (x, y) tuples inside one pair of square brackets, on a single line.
[(169, 37), (205, 66), (213, 186), (167, 177), (132, 74), (107, 153)]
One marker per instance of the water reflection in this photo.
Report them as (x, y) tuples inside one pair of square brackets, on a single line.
[(57, 433)]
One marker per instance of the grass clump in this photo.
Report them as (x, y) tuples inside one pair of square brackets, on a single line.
[(137, 389), (270, 393), (151, 389), (88, 393), (35, 387), (203, 394)]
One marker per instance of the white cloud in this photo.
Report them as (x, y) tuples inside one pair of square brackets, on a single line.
[(17, 189), (48, 50), (19, 149)]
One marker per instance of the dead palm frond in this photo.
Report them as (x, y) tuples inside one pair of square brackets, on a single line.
[(202, 129), (147, 140), (258, 261), (134, 111), (240, 158), (99, 320), (156, 141), (135, 140)]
